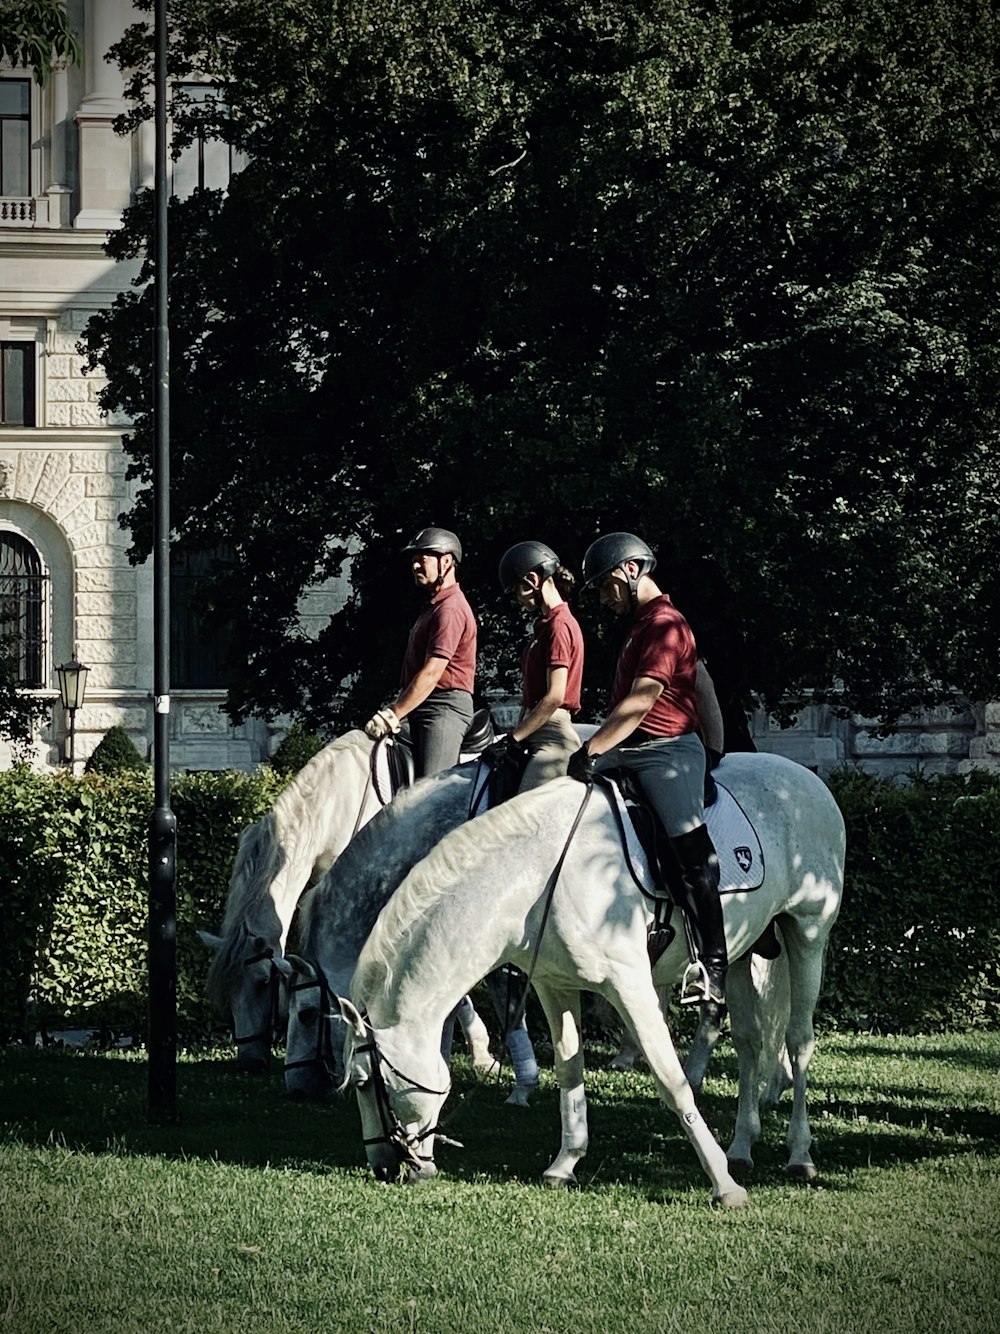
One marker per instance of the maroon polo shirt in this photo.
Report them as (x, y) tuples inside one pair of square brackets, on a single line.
[(445, 628), (558, 642), (661, 645)]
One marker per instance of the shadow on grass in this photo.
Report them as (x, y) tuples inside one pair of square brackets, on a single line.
[(96, 1103)]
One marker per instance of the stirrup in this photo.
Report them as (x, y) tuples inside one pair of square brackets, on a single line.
[(698, 986)]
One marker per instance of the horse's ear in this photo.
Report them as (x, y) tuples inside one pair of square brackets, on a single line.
[(213, 942), (291, 965), (350, 1015)]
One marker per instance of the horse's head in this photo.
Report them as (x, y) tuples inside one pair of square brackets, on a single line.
[(399, 1108), (314, 1041), (244, 983)]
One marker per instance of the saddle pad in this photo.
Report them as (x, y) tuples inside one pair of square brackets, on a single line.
[(741, 859)]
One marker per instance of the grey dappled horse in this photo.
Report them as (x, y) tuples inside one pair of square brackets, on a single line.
[(340, 912), (478, 899)]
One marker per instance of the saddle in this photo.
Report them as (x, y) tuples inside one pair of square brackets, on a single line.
[(392, 760), (658, 875)]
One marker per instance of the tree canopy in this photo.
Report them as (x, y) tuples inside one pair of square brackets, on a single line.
[(34, 32), (723, 274)]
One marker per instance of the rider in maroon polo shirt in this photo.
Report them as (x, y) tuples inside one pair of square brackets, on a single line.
[(551, 664), (652, 730), (439, 666)]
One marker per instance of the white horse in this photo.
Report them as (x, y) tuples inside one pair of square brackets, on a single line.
[(479, 899), (340, 912), (279, 858)]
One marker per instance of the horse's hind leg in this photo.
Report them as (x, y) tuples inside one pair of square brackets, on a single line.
[(805, 978), (562, 1010), (745, 1019)]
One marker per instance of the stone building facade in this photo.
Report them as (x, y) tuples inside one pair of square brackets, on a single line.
[(64, 570)]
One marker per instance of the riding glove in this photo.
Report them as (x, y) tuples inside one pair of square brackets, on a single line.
[(506, 748), (383, 723), (582, 765)]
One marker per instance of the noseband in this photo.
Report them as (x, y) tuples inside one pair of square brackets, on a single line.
[(274, 987), (394, 1133)]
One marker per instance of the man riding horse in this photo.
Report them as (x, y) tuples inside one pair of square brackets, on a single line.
[(652, 732)]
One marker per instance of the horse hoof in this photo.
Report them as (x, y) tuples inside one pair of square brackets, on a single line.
[(802, 1173), (731, 1199), (553, 1182), (485, 1065), (740, 1166)]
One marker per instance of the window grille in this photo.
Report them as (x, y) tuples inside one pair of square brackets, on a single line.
[(23, 595)]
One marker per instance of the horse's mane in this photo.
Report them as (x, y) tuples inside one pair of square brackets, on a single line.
[(367, 871), (447, 868), (261, 853)]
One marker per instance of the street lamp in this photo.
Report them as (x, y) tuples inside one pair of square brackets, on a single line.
[(72, 688)]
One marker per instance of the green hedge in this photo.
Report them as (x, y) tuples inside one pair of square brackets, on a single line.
[(74, 878), (917, 946)]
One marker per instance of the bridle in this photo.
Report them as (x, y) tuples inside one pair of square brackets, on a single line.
[(405, 1143), (323, 1054), (274, 987)]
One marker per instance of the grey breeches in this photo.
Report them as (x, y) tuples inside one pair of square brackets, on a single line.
[(436, 728)]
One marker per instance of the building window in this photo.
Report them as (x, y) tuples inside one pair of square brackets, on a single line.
[(23, 588), (200, 640), (17, 384), (208, 162), (15, 137)]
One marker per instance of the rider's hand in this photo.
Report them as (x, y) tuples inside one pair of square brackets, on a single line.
[(502, 749), (582, 765), (383, 723)]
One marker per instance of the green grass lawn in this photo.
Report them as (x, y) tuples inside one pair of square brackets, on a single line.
[(253, 1213)]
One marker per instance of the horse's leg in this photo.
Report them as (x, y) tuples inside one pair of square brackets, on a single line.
[(805, 975), (703, 1043), (628, 1051), (745, 1018), (562, 1010), (506, 992), (636, 1001), (476, 1035)]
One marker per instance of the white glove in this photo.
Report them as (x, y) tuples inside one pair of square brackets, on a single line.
[(383, 723)]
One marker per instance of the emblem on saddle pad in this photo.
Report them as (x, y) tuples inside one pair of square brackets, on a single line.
[(744, 858)]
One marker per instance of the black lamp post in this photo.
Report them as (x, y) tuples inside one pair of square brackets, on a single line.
[(72, 688)]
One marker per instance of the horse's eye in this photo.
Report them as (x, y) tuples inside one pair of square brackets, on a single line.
[(308, 1015)]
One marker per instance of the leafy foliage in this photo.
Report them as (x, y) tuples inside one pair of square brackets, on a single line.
[(33, 32), (726, 276), (917, 945), (115, 752), (20, 710), (296, 748), (73, 860)]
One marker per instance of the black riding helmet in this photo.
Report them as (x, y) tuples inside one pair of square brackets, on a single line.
[(524, 557), (438, 541), (612, 550)]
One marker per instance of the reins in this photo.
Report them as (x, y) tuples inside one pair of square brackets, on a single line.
[(549, 892)]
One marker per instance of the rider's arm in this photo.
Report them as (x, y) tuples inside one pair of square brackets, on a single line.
[(555, 695), (626, 716), (710, 722), (419, 687)]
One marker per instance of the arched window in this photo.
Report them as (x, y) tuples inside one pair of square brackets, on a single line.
[(23, 585)]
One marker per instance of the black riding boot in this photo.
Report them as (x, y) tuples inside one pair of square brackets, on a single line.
[(700, 874)]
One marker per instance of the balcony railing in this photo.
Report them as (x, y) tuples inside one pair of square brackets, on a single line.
[(17, 212)]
